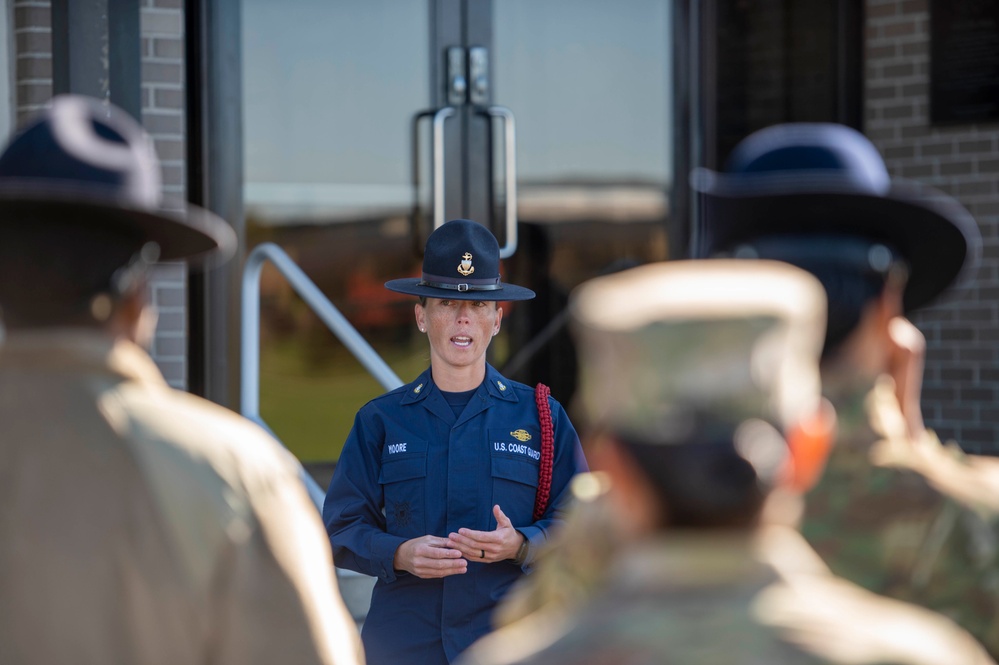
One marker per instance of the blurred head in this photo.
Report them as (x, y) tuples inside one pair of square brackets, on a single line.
[(695, 377), (66, 273), (818, 195), (82, 219)]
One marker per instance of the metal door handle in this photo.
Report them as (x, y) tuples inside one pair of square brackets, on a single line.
[(439, 116), (437, 151), (510, 165), (438, 177)]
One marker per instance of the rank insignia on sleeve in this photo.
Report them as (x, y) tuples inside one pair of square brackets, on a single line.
[(521, 435)]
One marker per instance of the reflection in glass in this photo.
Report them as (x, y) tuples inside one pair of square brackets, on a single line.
[(329, 102), (329, 89), (590, 85)]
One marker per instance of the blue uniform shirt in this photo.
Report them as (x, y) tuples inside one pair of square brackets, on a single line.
[(410, 468)]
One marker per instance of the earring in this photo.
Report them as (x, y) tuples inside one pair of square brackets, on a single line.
[(421, 329)]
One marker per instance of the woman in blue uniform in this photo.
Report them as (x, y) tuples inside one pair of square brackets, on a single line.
[(444, 491)]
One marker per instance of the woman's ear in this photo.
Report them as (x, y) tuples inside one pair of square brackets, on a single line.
[(809, 442), (421, 319)]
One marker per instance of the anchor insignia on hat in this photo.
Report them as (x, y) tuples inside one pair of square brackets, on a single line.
[(466, 268)]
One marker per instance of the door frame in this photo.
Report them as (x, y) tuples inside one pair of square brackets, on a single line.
[(215, 149)]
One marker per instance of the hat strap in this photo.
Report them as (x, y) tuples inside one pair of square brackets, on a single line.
[(437, 282), (862, 254)]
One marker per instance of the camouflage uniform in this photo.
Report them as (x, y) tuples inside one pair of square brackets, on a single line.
[(647, 579), (571, 568), (725, 597), (915, 520)]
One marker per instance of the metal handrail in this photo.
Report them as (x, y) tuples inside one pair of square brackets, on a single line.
[(354, 587), (327, 313), (317, 301)]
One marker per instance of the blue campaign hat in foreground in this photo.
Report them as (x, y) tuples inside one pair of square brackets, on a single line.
[(88, 163), (461, 262), (813, 185)]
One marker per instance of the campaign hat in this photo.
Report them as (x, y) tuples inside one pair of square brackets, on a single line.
[(686, 352), (87, 162), (814, 184), (461, 262)]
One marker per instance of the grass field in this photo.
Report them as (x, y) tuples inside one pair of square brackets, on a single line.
[(309, 396)]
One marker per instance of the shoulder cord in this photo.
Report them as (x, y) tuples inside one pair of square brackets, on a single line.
[(541, 393)]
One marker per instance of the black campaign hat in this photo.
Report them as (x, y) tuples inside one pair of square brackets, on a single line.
[(461, 262), (808, 182), (87, 162)]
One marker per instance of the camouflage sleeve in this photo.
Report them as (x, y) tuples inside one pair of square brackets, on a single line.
[(914, 520), (571, 567)]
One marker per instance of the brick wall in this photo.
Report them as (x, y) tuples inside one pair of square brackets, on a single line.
[(163, 116), (162, 29), (32, 33), (962, 329)]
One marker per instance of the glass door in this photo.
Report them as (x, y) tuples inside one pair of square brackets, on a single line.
[(589, 85), (367, 122), (330, 91), (561, 127)]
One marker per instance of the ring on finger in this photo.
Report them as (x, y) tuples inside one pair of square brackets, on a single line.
[(483, 555)]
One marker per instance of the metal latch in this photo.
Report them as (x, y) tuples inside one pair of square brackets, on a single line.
[(471, 84), (457, 82), (478, 74)]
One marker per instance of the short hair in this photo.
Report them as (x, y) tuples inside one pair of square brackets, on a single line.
[(853, 271), (700, 485), (51, 270), (847, 294)]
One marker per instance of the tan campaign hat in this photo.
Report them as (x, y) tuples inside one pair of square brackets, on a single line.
[(685, 352)]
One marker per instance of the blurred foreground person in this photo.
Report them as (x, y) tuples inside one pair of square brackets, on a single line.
[(699, 381), (138, 524), (895, 511)]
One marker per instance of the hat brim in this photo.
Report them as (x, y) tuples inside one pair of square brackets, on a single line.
[(195, 235), (412, 286), (936, 236)]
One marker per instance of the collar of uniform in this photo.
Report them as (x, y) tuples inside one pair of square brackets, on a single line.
[(689, 559), (498, 386), (80, 349), (693, 559), (786, 550), (417, 390)]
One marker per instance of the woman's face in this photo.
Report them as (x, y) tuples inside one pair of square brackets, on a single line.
[(459, 330)]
